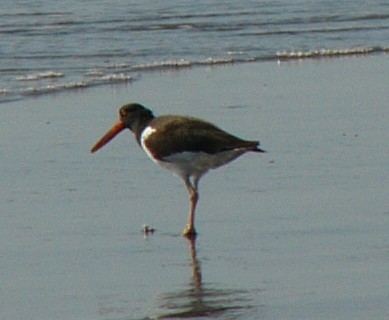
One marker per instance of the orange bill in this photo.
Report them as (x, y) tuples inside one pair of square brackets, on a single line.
[(112, 133)]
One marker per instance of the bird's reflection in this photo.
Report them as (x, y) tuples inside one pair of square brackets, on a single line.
[(199, 299)]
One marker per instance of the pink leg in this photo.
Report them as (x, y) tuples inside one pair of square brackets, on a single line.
[(193, 198)]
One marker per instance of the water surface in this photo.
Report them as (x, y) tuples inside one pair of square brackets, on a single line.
[(297, 233), (48, 46)]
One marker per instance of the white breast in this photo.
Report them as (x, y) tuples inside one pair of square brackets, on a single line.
[(147, 132)]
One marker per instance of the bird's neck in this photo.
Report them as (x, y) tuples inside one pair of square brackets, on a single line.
[(140, 126)]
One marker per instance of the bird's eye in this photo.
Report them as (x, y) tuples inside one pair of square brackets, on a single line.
[(123, 112)]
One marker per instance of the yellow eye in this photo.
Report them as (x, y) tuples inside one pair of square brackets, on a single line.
[(123, 112)]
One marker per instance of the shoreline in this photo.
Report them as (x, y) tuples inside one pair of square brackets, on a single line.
[(131, 74)]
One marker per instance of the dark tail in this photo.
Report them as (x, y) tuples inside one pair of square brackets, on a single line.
[(259, 150), (247, 145)]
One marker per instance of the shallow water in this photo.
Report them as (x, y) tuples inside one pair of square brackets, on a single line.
[(49, 47), (297, 233)]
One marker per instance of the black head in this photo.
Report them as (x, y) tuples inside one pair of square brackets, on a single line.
[(134, 115)]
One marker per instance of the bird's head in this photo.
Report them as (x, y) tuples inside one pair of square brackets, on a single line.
[(132, 116)]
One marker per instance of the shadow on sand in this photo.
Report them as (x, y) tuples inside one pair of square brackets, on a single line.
[(201, 299)]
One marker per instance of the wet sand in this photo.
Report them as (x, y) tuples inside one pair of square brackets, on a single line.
[(298, 233)]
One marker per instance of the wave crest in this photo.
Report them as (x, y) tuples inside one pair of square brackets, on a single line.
[(324, 53)]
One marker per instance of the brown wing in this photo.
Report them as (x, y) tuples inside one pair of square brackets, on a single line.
[(179, 134)]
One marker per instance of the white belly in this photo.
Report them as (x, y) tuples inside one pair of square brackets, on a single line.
[(196, 163), (189, 163)]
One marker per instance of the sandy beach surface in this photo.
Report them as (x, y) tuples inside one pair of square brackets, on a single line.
[(300, 232)]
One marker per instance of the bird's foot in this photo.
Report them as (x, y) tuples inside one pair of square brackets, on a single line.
[(147, 230), (189, 232)]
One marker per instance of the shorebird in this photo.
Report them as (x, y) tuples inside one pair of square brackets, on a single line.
[(187, 146)]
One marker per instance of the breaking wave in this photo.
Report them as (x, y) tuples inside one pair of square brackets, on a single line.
[(48, 82), (328, 53)]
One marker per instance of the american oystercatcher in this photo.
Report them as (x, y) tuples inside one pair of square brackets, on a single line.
[(185, 145)]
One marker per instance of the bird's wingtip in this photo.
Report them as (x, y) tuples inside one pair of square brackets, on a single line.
[(259, 149)]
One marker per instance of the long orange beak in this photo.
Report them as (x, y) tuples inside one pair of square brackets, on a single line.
[(112, 133)]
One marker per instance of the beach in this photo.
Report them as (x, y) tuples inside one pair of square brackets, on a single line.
[(300, 232)]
